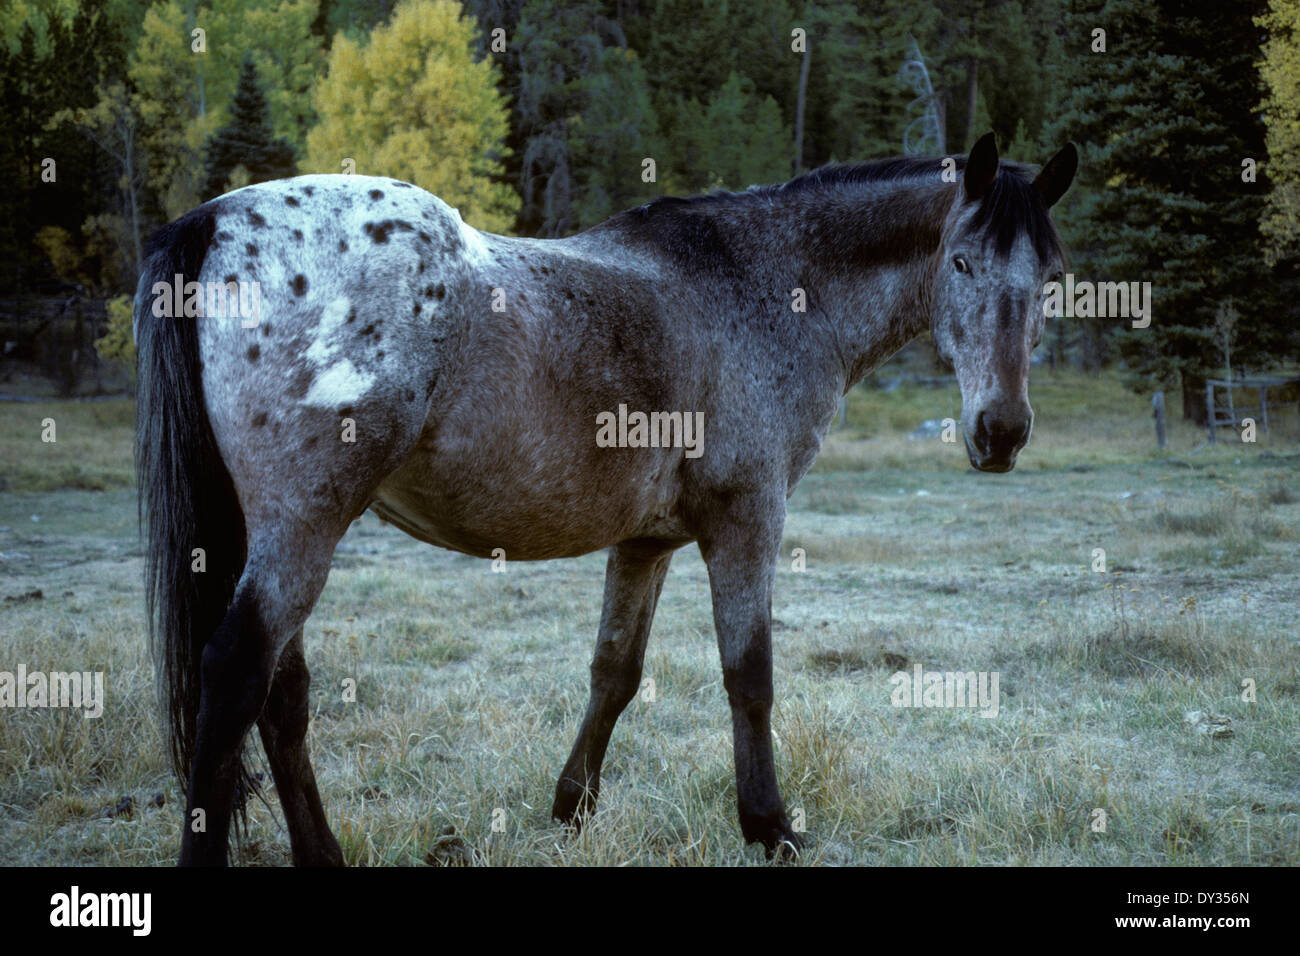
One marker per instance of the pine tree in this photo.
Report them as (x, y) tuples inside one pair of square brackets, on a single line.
[(737, 140), (857, 105), (584, 119), (1164, 118), (1281, 69), (246, 141)]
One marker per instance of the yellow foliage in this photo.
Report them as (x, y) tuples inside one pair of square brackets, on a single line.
[(59, 248), (166, 76), (118, 341), (1281, 72), (413, 104)]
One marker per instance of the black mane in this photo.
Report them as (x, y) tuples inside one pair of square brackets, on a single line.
[(1011, 208)]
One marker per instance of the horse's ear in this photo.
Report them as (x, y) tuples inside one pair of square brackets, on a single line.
[(1056, 176), (981, 167)]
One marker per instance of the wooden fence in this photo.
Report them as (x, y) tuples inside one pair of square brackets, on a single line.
[(1219, 415)]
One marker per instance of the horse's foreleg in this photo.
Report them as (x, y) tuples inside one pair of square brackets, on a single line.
[(634, 577), (283, 726), (281, 581), (741, 558)]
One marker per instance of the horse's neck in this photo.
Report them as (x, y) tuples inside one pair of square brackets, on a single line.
[(867, 251)]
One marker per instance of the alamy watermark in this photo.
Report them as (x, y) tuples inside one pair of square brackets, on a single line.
[(967, 689), (72, 689), (236, 300), (1101, 300), (653, 430), (76, 909)]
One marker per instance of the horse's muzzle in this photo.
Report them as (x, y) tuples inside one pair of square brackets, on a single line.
[(996, 440)]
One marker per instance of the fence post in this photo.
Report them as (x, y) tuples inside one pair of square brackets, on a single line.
[(1210, 414), (1158, 404)]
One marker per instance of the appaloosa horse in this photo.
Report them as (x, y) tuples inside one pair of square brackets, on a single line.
[(459, 383)]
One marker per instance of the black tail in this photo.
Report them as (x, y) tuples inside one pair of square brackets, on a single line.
[(187, 498)]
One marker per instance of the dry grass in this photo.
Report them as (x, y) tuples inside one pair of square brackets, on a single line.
[(472, 684)]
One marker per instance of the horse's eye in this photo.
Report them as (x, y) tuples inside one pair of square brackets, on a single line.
[(961, 265)]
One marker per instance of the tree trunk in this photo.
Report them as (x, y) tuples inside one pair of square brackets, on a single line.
[(132, 189), (799, 111), (972, 97), (1194, 399)]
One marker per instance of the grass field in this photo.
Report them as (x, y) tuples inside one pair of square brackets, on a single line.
[(472, 683)]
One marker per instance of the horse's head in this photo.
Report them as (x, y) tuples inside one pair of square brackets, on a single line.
[(998, 249)]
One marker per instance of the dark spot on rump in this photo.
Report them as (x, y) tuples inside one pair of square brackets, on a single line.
[(266, 328), (255, 219), (343, 245), (379, 354), (440, 291), (421, 266), (301, 382), (311, 441), (368, 329), (259, 419), (425, 237), (251, 249), (290, 201), (309, 190), (254, 351), (224, 236), (231, 278), (299, 284), (401, 185), (376, 194), (416, 310), (378, 231), (297, 234), (352, 314), (428, 292), (409, 395)]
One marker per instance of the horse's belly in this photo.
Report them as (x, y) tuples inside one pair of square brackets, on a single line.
[(538, 510)]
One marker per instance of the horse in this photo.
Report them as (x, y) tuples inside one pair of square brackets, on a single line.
[(463, 386)]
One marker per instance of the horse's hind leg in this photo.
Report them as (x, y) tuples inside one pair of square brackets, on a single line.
[(283, 726), (634, 577), (282, 578)]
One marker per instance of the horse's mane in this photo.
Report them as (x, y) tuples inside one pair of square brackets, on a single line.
[(1012, 207)]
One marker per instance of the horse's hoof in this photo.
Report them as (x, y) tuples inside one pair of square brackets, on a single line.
[(573, 801), (786, 850), (780, 842)]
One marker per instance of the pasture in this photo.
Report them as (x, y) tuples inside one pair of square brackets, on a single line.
[(471, 683)]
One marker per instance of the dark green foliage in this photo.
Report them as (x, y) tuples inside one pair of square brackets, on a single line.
[(583, 117), (37, 79), (246, 140), (1164, 118)]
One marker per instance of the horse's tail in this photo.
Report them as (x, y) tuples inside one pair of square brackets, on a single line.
[(187, 499)]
